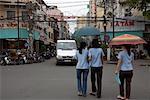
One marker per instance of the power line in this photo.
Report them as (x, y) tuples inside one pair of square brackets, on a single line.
[(75, 20), (73, 6), (92, 21), (68, 2)]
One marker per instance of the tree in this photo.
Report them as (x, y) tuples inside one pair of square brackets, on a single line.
[(141, 5)]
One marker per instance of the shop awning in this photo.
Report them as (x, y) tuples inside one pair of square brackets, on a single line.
[(36, 35), (13, 33)]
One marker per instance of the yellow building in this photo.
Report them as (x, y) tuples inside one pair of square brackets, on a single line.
[(81, 22), (20, 25)]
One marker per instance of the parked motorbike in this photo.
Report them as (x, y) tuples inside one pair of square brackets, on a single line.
[(7, 61)]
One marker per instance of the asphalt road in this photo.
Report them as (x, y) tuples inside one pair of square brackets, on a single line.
[(46, 81)]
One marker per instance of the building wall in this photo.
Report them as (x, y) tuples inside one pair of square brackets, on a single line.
[(81, 22), (53, 11), (38, 27)]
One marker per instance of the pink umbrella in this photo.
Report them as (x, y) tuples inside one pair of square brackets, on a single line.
[(127, 39)]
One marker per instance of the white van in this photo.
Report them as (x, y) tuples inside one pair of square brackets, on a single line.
[(65, 51)]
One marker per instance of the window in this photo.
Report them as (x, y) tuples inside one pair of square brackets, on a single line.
[(24, 15), (10, 15), (6, 6), (12, 6)]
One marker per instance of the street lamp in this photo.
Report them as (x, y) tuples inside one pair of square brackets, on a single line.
[(113, 18), (18, 22)]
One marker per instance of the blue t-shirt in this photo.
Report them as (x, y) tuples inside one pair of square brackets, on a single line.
[(82, 59), (126, 60), (96, 54)]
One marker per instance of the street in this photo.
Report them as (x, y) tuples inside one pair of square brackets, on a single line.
[(46, 81)]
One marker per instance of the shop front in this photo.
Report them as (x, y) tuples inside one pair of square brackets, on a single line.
[(131, 26), (146, 37), (121, 27), (10, 40)]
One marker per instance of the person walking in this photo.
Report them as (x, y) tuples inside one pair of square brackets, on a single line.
[(82, 69), (96, 62), (125, 70)]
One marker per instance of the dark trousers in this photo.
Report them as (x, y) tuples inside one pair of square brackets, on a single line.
[(127, 76), (96, 73)]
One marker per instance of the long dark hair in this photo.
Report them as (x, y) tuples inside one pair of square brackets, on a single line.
[(128, 47), (82, 46), (95, 43)]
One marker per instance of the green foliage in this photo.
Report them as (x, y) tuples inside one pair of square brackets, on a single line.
[(140, 5), (42, 48), (104, 46), (147, 14)]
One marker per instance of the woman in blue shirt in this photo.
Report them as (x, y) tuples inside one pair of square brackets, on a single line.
[(125, 65), (96, 62), (82, 69)]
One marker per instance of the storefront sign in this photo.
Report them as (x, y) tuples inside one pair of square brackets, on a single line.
[(12, 25), (123, 23), (23, 0)]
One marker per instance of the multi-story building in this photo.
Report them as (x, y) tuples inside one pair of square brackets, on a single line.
[(66, 30), (53, 30), (53, 11), (24, 23), (81, 22), (123, 21), (12, 14), (96, 11)]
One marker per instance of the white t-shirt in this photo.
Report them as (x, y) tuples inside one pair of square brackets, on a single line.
[(126, 64), (82, 59), (96, 54)]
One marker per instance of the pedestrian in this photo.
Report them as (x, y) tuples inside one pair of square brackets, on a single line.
[(125, 70), (96, 62), (82, 69)]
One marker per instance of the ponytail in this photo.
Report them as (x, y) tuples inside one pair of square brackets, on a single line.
[(80, 50), (82, 46), (128, 47)]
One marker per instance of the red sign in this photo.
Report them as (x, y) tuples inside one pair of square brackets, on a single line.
[(123, 23), (12, 25)]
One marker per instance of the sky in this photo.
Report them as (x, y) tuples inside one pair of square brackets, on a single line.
[(71, 8)]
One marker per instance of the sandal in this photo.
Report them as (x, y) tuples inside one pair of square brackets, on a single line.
[(120, 97), (93, 93), (79, 94)]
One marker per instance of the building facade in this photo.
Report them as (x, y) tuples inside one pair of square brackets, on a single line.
[(53, 11), (125, 20), (25, 25)]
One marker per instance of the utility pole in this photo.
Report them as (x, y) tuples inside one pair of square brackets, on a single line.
[(113, 18), (18, 23), (30, 8), (104, 23), (95, 12)]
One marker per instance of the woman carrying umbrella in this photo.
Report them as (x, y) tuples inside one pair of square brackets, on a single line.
[(125, 61), (125, 70)]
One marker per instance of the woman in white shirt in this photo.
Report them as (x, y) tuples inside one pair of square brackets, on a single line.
[(125, 70), (96, 63), (82, 69)]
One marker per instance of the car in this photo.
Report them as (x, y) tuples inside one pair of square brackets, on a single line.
[(66, 51)]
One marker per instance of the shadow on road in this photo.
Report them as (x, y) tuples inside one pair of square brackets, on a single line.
[(65, 64)]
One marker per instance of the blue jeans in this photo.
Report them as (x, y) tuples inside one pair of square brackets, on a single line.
[(82, 85)]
